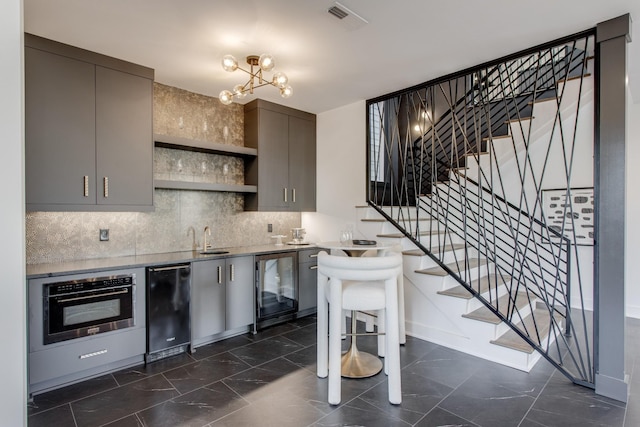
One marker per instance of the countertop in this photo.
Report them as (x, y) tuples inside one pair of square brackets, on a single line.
[(100, 264)]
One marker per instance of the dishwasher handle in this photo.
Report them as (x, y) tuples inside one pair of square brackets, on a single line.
[(172, 267)]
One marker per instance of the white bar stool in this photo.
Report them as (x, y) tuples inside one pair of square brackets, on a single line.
[(368, 283)]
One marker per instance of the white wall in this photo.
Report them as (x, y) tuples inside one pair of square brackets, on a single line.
[(12, 259), (341, 169), (632, 234)]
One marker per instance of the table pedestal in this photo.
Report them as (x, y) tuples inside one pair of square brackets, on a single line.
[(356, 364)]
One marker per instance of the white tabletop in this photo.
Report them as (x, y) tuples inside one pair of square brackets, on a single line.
[(354, 250)]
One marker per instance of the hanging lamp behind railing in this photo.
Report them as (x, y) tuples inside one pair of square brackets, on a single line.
[(259, 65)]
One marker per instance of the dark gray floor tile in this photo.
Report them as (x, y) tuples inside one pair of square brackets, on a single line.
[(419, 396), (306, 358), (440, 417), (142, 371), (448, 367), (58, 397), (206, 371), (359, 413), (305, 321), (414, 349), (284, 408), (561, 398), (130, 421), (268, 378), (487, 404), (540, 418), (114, 404), (197, 408), (304, 336), (530, 383), (56, 417), (272, 331), (265, 350), (221, 347)]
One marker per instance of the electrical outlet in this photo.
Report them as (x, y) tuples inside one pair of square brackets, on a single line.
[(104, 234), (270, 228)]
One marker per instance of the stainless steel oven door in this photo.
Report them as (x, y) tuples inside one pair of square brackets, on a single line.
[(81, 308)]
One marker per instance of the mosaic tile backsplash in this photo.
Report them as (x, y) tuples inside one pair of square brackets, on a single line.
[(178, 222)]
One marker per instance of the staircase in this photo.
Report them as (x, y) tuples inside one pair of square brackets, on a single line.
[(489, 264)]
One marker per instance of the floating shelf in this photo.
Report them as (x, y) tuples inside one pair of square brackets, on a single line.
[(180, 143), (204, 186)]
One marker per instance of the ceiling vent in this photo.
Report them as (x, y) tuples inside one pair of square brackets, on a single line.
[(347, 17)]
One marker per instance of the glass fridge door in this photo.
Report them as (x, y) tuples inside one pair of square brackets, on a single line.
[(276, 287)]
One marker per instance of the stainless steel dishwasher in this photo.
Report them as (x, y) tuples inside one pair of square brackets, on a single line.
[(168, 311)]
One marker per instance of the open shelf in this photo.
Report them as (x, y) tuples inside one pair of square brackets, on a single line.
[(180, 143), (204, 186)]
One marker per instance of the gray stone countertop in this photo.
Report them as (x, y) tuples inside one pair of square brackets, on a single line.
[(101, 264)]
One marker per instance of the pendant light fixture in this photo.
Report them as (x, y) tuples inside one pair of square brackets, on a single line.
[(259, 65)]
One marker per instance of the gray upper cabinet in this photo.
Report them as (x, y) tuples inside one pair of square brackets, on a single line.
[(88, 130), (285, 169)]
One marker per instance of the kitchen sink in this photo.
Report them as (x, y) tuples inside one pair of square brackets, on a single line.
[(214, 252)]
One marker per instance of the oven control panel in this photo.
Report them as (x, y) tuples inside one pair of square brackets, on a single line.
[(92, 284)]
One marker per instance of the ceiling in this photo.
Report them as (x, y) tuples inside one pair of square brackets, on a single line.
[(330, 63)]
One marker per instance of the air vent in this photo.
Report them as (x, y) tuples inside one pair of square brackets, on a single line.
[(347, 18), (337, 12)]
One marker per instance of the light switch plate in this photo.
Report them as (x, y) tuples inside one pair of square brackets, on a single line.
[(104, 234)]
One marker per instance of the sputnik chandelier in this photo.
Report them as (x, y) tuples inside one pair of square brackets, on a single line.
[(263, 63)]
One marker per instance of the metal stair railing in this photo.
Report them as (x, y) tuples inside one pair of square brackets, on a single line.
[(415, 171)]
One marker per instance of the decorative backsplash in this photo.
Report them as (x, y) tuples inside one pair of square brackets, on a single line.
[(178, 222)]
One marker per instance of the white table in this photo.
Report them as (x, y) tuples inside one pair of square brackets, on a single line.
[(355, 363)]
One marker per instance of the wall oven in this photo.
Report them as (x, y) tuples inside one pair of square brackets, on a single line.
[(79, 308)]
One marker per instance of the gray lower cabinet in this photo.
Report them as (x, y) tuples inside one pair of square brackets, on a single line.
[(222, 297), (307, 281), (53, 365), (285, 169), (88, 130)]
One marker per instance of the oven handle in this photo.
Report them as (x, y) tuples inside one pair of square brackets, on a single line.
[(173, 267), (124, 291)]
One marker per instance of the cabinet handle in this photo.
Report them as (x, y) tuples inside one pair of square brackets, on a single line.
[(313, 256), (285, 194), (95, 353), (105, 182), (232, 273), (293, 195), (313, 267), (219, 274), (86, 186)]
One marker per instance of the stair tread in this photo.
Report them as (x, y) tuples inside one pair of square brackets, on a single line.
[(447, 248), (483, 314), (511, 339), (439, 271), (373, 220), (462, 292)]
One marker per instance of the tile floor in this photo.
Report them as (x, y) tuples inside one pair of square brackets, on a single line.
[(269, 379)]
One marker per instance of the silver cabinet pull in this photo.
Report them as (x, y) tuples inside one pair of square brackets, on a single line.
[(86, 186), (219, 274), (232, 272), (95, 353), (293, 195), (313, 267), (105, 182), (173, 267), (285, 194), (313, 256)]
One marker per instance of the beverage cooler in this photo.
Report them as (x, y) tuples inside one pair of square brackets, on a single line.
[(276, 288)]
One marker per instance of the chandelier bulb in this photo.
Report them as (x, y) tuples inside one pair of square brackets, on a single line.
[(286, 91), (266, 62), (226, 97), (229, 63), (239, 92), (280, 79)]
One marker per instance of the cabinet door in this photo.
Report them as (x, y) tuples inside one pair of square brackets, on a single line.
[(240, 292), (302, 164), (59, 91), (124, 138), (207, 298), (273, 152), (308, 280)]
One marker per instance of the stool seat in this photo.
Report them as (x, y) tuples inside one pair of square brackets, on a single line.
[(357, 295)]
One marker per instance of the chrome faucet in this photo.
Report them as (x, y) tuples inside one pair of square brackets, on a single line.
[(205, 244)]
